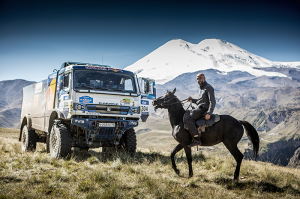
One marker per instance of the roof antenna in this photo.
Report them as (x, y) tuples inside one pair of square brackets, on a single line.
[(102, 59)]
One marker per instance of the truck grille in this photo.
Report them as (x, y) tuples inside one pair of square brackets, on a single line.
[(123, 110)]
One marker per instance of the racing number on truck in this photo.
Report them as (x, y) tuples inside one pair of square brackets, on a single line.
[(144, 108)]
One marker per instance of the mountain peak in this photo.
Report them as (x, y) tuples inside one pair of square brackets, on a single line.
[(178, 56), (176, 43)]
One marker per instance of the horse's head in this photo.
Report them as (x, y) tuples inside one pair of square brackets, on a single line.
[(165, 100)]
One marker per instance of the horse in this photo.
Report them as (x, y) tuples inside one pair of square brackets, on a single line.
[(228, 130)]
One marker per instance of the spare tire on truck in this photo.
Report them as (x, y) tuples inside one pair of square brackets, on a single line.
[(28, 139), (60, 142)]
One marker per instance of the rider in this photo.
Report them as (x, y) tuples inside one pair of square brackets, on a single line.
[(205, 104)]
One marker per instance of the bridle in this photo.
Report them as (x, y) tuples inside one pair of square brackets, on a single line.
[(165, 103)]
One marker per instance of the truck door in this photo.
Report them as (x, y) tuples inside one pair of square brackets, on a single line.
[(148, 94)]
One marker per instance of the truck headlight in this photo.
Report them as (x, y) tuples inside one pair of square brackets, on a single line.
[(135, 109), (79, 107)]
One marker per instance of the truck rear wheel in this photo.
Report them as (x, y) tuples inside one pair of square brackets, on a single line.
[(130, 141), (60, 142), (28, 139)]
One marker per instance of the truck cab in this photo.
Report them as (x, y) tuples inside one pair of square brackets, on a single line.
[(86, 106)]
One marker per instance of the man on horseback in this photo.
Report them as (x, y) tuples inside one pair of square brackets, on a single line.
[(205, 105)]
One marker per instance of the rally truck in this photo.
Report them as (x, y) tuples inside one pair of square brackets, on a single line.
[(85, 105)]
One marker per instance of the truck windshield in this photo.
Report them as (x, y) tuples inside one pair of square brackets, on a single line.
[(103, 80)]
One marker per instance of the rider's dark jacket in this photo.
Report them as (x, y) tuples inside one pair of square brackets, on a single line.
[(206, 97)]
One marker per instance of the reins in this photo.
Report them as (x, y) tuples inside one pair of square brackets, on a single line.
[(165, 103)]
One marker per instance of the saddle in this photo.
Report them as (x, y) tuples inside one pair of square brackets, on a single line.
[(202, 123)]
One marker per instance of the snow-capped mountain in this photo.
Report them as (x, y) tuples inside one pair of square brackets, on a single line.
[(178, 56)]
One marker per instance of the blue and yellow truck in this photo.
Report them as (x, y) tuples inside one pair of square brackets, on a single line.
[(85, 106)]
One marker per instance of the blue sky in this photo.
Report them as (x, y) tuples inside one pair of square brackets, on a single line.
[(38, 36)]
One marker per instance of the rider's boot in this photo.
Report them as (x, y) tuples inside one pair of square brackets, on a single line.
[(196, 142)]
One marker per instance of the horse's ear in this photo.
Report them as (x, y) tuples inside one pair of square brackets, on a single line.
[(174, 90)]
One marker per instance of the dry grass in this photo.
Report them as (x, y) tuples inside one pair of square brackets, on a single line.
[(146, 175)]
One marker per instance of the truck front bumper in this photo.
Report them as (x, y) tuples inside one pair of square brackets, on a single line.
[(99, 132)]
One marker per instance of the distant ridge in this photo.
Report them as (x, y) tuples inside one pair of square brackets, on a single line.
[(11, 94)]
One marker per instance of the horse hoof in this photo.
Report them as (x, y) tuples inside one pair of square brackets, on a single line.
[(177, 171), (235, 179), (191, 175)]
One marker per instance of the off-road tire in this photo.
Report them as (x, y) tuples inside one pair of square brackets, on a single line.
[(130, 141), (28, 139), (60, 142), (128, 144)]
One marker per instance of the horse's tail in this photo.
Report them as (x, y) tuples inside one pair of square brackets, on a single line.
[(253, 135)]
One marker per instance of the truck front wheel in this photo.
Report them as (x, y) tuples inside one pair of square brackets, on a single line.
[(28, 139), (130, 141), (60, 142), (128, 144)]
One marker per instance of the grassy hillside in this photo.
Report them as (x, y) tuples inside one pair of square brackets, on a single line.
[(147, 175)]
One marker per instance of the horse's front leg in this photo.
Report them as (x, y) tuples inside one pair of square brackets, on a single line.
[(177, 148), (188, 153)]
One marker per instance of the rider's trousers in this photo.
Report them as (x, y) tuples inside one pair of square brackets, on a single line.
[(192, 117)]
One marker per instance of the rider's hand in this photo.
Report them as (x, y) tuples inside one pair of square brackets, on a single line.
[(189, 99), (207, 116)]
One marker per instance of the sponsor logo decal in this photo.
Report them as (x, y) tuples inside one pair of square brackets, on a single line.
[(127, 102), (145, 102), (115, 70), (96, 67), (66, 97), (85, 99)]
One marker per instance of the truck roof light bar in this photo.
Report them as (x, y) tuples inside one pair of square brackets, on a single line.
[(65, 64)]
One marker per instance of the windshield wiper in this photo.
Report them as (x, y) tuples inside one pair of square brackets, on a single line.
[(88, 87)]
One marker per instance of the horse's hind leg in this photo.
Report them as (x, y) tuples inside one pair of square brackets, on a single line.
[(238, 156), (188, 153), (177, 148)]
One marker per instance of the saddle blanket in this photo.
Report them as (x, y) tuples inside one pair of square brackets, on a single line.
[(202, 123)]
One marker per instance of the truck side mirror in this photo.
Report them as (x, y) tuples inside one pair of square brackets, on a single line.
[(147, 86)]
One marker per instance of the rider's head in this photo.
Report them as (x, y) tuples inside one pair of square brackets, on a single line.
[(200, 78)]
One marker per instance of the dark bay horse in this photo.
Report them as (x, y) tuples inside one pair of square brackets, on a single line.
[(228, 130)]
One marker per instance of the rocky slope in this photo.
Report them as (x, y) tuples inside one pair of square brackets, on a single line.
[(280, 152), (295, 160)]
